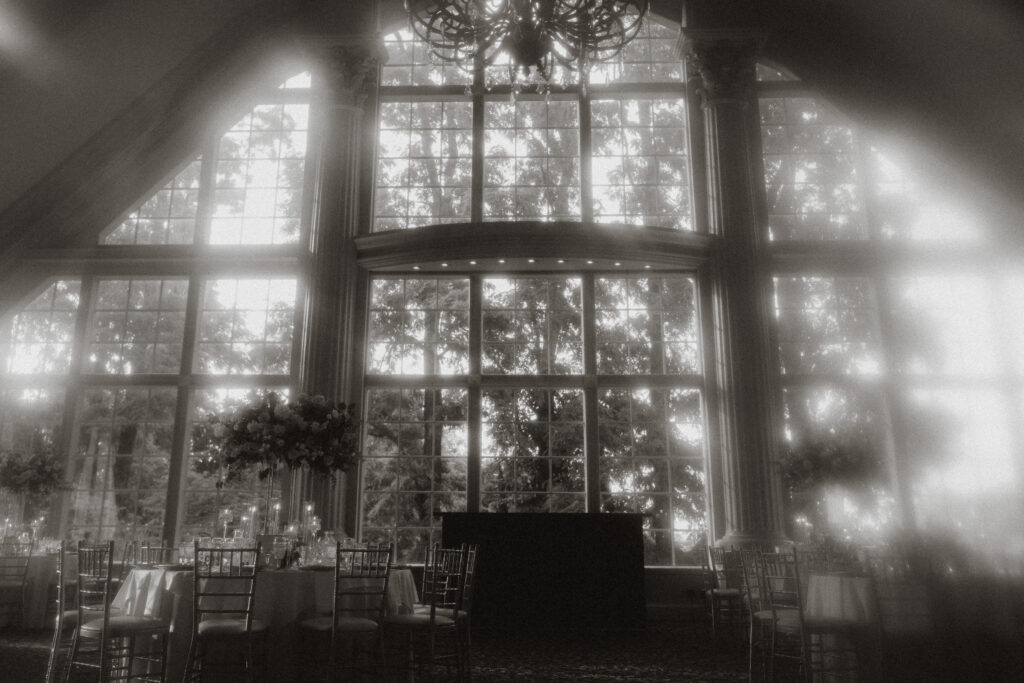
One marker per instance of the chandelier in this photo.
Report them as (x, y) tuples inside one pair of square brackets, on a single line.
[(534, 35)]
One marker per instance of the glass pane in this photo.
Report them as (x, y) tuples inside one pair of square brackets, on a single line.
[(39, 338), (168, 216), (834, 467), (418, 326), (827, 325), (651, 56), (945, 325), (532, 451), (120, 470), (260, 173), (409, 62), (531, 164), (31, 419), (414, 466), (532, 325), (811, 182), (424, 164), (652, 462), (640, 162), (208, 492), (964, 470), (246, 326), (910, 203), (137, 327), (646, 325)]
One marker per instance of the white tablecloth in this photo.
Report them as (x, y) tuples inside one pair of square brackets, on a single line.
[(283, 598), (840, 599)]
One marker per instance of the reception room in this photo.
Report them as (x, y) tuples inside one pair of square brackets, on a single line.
[(511, 340)]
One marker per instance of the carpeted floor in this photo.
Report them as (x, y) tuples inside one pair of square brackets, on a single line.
[(666, 650)]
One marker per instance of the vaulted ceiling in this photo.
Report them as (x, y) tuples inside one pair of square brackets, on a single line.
[(75, 75)]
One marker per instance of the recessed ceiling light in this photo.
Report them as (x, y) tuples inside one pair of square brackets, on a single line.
[(444, 265), (501, 260), (472, 263), (590, 262), (618, 263), (415, 267), (647, 266), (561, 260), (531, 260)]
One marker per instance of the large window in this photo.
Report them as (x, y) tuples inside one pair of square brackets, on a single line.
[(497, 421), (607, 152), (148, 351)]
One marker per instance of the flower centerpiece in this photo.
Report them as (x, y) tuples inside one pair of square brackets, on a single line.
[(308, 432), (29, 480)]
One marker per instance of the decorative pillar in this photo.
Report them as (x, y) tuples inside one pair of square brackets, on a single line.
[(331, 343), (724, 61)]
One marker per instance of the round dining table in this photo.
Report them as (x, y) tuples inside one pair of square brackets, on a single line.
[(283, 598)]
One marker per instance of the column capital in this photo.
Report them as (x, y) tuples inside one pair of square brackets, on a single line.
[(725, 60), (349, 68)]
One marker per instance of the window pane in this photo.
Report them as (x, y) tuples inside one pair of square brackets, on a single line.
[(646, 325), (827, 324), (811, 182), (909, 205), (409, 63), (961, 463), (419, 326), (424, 164), (137, 327), (651, 56), (168, 216), (652, 462), (39, 338), (261, 164), (532, 451), (834, 467), (414, 466), (204, 501), (945, 325), (532, 325), (531, 164), (120, 470), (246, 326), (30, 419), (640, 164)]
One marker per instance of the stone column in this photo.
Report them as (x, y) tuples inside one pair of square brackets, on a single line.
[(332, 344), (724, 62)]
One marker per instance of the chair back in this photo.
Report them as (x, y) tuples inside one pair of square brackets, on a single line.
[(781, 581), (726, 567), (361, 581), (753, 581), (14, 557), (902, 595), (224, 583), (155, 554), (469, 578), (443, 575), (95, 571)]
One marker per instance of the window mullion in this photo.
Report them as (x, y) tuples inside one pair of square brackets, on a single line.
[(592, 453), (586, 174), (473, 465), (477, 169), (204, 202)]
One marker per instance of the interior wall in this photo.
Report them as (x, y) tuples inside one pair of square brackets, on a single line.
[(58, 92)]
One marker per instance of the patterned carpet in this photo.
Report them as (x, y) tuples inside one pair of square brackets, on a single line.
[(664, 651)]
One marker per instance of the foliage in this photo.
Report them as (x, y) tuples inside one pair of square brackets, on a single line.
[(853, 463), (269, 431), (37, 474)]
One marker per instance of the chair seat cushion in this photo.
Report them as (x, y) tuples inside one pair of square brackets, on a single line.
[(346, 624), (785, 619), (726, 592), (123, 624), (447, 612), (228, 627), (417, 620)]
